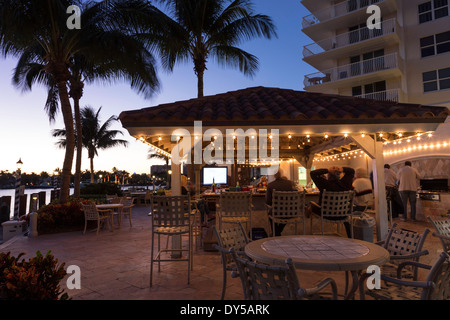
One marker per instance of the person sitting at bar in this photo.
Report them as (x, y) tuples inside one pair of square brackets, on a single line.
[(335, 179), (363, 191), (279, 184)]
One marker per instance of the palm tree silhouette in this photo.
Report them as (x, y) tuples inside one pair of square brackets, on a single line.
[(95, 135), (196, 30), (100, 52)]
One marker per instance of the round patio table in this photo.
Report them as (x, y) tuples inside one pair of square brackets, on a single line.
[(320, 253), (111, 206)]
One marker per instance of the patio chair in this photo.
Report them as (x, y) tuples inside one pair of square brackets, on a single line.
[(403, 245), (442, 227), (264, 282), (336, 207), (91, 213), (288, 207), (435, 287), (128, 203), (226, 239), (235, 207), (148, 198), (197, 224), (171, 217)]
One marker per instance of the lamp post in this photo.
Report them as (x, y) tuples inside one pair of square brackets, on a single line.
[(17, 192), (153, 180)]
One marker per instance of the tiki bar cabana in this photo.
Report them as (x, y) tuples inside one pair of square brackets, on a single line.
[(312, 130)]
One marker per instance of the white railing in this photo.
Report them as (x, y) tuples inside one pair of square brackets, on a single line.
[(350, 38), (357, 69), (335, 11), (388, 95)]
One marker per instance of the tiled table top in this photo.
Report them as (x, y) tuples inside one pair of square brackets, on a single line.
[(318, 252), (319, 248)]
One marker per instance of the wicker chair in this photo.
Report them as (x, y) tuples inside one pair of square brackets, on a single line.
[(264, 282), (403, 245), (442, 227), (91, 213), (128, 203), (336, 207), (236, 207), (288, 207), (435, 287), (171, 217), (226, 239)]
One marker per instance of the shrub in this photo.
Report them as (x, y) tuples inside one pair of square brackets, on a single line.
[(101, 189), (55, 217), (35, 279)]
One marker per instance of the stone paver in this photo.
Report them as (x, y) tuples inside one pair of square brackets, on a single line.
[(116, 265)]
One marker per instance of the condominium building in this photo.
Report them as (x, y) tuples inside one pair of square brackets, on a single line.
[(406, 60)]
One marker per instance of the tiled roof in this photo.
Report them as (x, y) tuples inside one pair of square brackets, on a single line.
[(262, 105)]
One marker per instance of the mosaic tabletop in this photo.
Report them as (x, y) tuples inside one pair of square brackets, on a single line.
[(318, 252), (317, 248)]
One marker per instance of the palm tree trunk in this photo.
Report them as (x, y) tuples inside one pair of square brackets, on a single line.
[(200, 86), (79, 147), (92, 169), (66, 111)]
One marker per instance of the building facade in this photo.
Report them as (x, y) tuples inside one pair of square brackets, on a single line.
[(406, 60)]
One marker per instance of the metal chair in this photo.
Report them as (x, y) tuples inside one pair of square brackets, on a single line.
[(288, 207), (336, 207), (171, 217), (235, 207), (128, 203), (442, 227), (435, 287), (226, 239), (264, 282), (91, 213), (403, 245)]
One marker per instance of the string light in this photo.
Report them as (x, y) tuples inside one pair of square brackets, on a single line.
[(425, 146)]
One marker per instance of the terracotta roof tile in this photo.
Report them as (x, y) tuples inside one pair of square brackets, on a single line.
[(269, 104)]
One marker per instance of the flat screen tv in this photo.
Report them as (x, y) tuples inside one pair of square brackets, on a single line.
[(219, 174)]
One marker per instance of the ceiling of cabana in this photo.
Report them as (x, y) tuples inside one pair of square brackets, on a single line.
[(307, 122)]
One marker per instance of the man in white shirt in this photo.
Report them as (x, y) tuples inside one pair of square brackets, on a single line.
[(363, 190), (409, 181)]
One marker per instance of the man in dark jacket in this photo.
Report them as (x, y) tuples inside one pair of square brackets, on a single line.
[(335, 179), (279, 184)]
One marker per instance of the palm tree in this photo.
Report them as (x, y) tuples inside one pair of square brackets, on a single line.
[(153, 155), (95, 135), (197, 30), (113, 55)]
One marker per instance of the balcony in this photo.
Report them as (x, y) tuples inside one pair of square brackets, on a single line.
[(388, 27), (336, 11), (388, 95), (354, 70)]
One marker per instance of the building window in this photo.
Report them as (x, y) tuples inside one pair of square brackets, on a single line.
[(436, 80), (369, 89), (435, 44), (432, 10)]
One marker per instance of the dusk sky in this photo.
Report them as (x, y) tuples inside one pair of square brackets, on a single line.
[(25, 131)]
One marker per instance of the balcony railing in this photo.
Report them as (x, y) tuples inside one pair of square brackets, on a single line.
[(388, 95), (357, 69), (335, 11), (350, 38)]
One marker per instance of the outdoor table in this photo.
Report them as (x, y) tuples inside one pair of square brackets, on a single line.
[(320, 253), (110, 206)]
